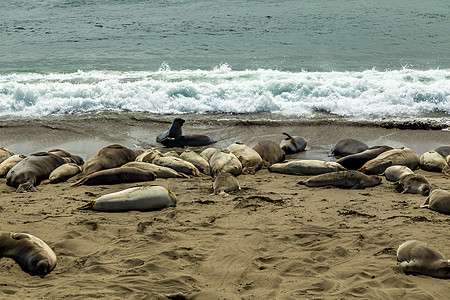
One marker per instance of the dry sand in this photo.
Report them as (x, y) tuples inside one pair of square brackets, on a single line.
[(274, 239)]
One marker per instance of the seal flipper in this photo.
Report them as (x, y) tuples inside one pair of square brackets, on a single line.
[(26, 187), (289, 136), (79, 182), (87, 206)]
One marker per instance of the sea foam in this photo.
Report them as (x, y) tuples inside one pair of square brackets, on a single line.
[(358, 95)]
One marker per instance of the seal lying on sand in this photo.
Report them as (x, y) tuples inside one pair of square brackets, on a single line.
[(115, 176), (197, 160), (62, 173), (343, 179), (347, 147), (10, 162), (417, 257), (138, 198), (399, 157), (29, 172), (432, 161), (293, 144), (177, 164), (32, 254), (306, 167), (395, 173), (443, 150), (160, 171), (250, 159), (174, 137), (413, 184), (4, 154), (225, 162), (356, 161), (269, 151), (225, 183), (438, 200)]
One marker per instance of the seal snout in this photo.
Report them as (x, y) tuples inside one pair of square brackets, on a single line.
[(43, 268)]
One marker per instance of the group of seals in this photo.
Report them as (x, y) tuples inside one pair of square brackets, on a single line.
[(174, 137)]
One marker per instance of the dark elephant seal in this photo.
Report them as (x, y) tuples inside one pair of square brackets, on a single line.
[(269, 151), (356, 161), (443, 150), (30, 171), (438, 200), (347, 147), (115, 176), (192, 140), (32, 254), (112, 156), (343, 179), (70, 158), (293, 144), (173, 132), (413, 184), (416, 257)]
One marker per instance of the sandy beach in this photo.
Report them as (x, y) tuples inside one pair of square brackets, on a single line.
[(274, 239)]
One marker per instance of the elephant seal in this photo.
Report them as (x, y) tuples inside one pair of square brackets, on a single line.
[(432, 161), (225, 162), (159, 171), (293, 144), (225, 183), (30, 171), (443, 150), (62, 173), (208, 152), (68, 157), (413, 184), (400, 157), (438, 200), (347, 147), (356, 161), (306, 167), (4, 154), (416, 257), (250, 160), (143, 198), (343, 179), (112, 156), (149, 155), (269, 151), (115, 176), (198, 161), (177, 164), (32, 254), (173, 132), (394, 173), (10, 162)]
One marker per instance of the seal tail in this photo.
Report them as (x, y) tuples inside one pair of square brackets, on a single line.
[(426, 204), (79, 182), (289, 136), (302, 182), (88, 206)]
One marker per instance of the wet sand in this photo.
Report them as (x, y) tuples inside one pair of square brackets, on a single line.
[(274, 239)]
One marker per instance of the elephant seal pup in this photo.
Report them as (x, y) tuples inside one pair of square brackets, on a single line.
[(160, 171), (438, 200), (30, 171), (143, 198), (416, 257), (10, 162), (225, 183), (115, 176), (70, 158), (306, 167), (356, 161), (250, 159), (269, 151), (225, 162), (177, 164), (432, 161), (343, 179), (62, 173), (109, 157), (173, 132), (347, 147), (413, 184), (293, 144), (400, 157), (394, 173), (208, 152), (4, 154), (148, 155), (198, 161), (32, 254), (443, 150)]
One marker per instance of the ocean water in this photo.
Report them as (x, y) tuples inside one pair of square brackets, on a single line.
[(303, 59)]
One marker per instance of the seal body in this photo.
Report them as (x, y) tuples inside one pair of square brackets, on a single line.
[(416, 257), (149, 155), (29, 172), (63, 172), (159, 171), (177, 164), (269, 151), (443, 150), (432, 161), (138, 198), (32, 254), (198, 161), (4, 154), (293, 144), (438, 200), (67, 156), (173, 132), (347, 147), (10, 162), (250, 160), (395, 173), (400, 157), (208, 152), (306, 167), (192, 140), (225, 162), (413, 184), (343, 179), (225, 183), (356, 161), (115, 176)]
